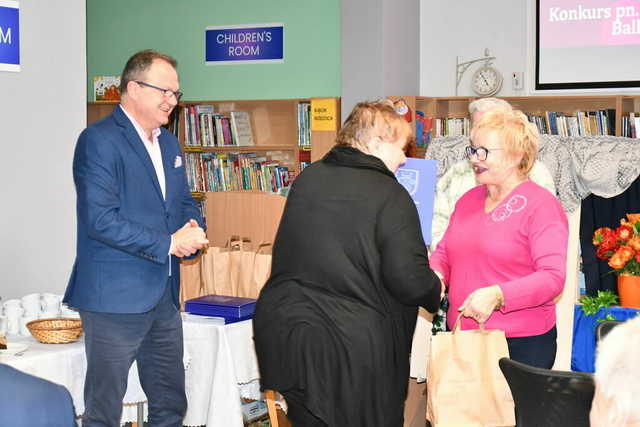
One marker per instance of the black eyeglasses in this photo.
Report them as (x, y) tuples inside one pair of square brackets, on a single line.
[(481, 153), (166, 92)]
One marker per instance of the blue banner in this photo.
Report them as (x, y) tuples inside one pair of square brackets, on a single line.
[(418, 177), (244, 44), (9, 36)]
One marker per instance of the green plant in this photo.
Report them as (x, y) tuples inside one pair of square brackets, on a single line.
[(591, 305)]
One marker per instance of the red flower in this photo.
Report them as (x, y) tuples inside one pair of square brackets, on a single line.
[(603, 253), (610, 242), (638, 257), (621, 257), (624, 233), (600, 233)]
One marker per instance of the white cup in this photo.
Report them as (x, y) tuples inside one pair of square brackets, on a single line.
[(24, 331), (51, 302), (31, 304), (12, 303), (13, 314), (3, 325)]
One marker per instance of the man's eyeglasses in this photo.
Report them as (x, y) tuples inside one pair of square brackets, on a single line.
[(481, 153), (166, 92)]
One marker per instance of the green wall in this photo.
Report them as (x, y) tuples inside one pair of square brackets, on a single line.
[(118, 28)]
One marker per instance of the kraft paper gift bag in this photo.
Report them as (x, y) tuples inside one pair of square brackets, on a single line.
[(235, 269), (255, 268), (465, 386), (191, 285), (217, 272)]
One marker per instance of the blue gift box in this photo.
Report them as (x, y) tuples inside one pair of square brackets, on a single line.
[(232, 309)]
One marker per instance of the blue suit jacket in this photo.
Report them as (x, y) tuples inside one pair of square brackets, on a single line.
[(124, 224), (27, 401)]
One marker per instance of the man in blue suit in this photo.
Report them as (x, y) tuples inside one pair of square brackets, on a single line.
[(27, 401), (136, 217)]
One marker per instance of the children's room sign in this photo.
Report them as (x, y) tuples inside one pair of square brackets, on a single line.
[(244, 44), (9, 35)]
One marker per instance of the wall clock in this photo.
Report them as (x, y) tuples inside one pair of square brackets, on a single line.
[(486, 81)]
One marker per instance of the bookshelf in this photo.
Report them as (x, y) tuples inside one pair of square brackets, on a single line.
[(457, 108), (274, 125)]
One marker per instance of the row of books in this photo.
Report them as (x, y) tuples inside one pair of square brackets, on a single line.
[(211, 171), (304, 124), (630, 126), (205, 128), (581, 123), (451, 127)]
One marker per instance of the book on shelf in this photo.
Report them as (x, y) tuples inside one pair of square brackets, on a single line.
[(241, 128), (106, 88), (424, 127), (304, 124)]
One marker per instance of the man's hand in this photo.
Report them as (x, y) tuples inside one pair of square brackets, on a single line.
[(188, 240), (481, 303)]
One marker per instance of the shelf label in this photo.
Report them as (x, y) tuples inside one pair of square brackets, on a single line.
[(323, 114), (244, 44), (9, 35)]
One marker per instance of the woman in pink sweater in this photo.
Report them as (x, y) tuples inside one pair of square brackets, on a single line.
[(503, 256)]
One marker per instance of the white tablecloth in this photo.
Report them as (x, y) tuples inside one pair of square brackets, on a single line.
[(220, 366)]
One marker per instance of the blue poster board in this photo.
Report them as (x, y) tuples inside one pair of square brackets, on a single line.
[(244, 44), (418, 176), (9, 35)]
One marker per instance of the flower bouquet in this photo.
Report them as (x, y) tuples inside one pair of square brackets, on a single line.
[(621, 247)]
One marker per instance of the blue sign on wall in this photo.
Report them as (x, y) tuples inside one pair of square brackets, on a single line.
[(244, 44), (9, 35)]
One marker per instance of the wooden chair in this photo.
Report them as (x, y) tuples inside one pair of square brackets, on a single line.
[(270, 397)]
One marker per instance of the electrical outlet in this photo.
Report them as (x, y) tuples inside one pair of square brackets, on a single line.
[(517, 78)]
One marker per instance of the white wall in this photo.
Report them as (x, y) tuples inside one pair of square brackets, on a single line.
[(42, 111), (465, 28), (380, 50)]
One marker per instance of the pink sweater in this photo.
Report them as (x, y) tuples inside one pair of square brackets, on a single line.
[(521, 246)]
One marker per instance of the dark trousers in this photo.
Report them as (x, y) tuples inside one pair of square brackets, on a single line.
[(153, 339), (537, 350)]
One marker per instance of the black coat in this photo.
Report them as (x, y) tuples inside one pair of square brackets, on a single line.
[(350, 268)]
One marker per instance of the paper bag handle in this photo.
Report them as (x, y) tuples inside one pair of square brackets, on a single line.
[(456, 326)]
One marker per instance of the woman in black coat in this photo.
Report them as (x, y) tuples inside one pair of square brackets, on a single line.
[(334, 323)]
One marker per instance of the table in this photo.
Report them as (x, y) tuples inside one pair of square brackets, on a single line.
[(584, 335), (220, 367)]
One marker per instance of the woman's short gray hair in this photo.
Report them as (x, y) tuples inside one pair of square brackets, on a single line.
[(618, 370), (482, 105)]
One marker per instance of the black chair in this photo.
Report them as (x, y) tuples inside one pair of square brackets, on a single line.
[(604, 328), (546, 398)]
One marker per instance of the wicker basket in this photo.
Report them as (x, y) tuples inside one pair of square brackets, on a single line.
[(56, 330)]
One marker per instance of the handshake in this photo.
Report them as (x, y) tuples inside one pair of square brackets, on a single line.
[(188, 240)]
